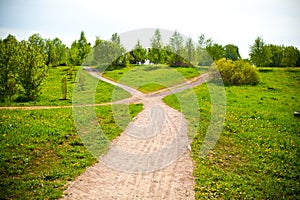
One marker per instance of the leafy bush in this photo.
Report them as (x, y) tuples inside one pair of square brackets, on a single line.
[(237, 72)]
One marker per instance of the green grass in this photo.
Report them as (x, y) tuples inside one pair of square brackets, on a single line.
[(257, 155), (149, 78), (41, 151), (51, 89)]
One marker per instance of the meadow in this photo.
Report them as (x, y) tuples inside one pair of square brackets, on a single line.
[(51, 89), (257, 154), (149, 78), (41, 151)]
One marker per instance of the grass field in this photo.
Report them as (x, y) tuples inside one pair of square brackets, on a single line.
[(51, 89), (149, 78), (258, 153), (41, 151)]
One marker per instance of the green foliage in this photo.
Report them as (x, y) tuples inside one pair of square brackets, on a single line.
[(23, 67), (139, 54), (235, 72), (109, 54), (51, 91), (56, 52), (41, 151), (276, 55), (290, 56), (216, 51), (190, 52), (9, 63), (33, 69), (257, 155), (260, 54), (177, 57), (64, 87), (283, 56), (232, 52), (79, 50), (155, 54)]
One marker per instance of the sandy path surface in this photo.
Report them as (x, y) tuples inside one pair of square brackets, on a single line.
[(151, 158)]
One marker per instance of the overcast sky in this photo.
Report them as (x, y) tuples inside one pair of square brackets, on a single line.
[(226, 21)]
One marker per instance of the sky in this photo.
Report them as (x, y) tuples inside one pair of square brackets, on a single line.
[(237, 22)]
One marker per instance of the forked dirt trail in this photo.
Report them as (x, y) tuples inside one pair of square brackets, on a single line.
[(150, 160)]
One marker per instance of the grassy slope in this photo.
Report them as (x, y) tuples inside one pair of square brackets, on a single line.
[(257, 155), (149, 78), (51, 91), (40, 150)]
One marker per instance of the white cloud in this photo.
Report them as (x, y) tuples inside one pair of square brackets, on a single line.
[(230, 21)]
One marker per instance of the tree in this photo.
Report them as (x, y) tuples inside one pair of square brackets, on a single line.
[(190, 51), (79, 50), (32, 69), (116, 38), (56, 52), (155, 54), (9, 63), (260, 54), (203, 57), (176, 44), (124, 58), (84, 47), (232, 52), (139, 53), (109, 54), (290, 56), (216, 51), (276, 53), (203, 43), (74, 54)]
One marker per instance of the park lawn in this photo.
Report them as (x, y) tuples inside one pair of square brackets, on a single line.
[(149, 78), (258, 153), (41, 151), (51, 89)]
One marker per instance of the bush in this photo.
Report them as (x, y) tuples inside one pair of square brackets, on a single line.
[(237, 72)]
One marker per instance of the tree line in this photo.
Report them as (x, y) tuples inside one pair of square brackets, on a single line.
[(270, 55), (24, 64)]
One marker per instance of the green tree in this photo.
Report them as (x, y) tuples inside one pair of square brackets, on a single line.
[(109, 54), (79, 50), (260, 54), (290, 56), (276, 55), (56, 52), (124, 58), (232, 52), (190, 52), (116, 38), (216, 51), (139, 53), (32, 69), (9, 63), (155, 54), (176, 44), (203, 57), (74, 54)]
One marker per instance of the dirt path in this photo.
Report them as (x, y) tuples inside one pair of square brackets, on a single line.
[(150, 160)]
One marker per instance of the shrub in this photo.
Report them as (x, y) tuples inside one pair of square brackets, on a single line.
[(237, 72)]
